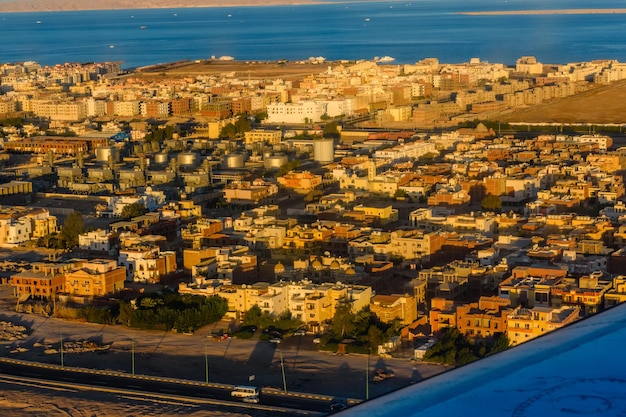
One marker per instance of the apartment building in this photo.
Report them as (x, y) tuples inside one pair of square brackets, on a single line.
[(147, 264), (43, 280), (402, 307), (97, 277), (524, 324)]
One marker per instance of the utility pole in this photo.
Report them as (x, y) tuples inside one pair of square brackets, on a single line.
[(367, 375), (132, 358), (206, 364), (282, 366), (61, 348)]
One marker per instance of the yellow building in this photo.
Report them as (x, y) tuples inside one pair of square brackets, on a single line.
[(300, 181), (617, 294), (263, 136), (42, 223), (242, 297), (395, 306), (97, 277), (525, 324), (385, 212)]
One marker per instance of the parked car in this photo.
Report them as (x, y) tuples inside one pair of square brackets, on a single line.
[(253, 399), (317, 340), (276, 340), (299, 332), (338, 406)]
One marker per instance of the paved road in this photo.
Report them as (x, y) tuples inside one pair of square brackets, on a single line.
[(232, 361)]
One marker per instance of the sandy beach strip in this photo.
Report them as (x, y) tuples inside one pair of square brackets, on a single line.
[(24, 6), (544, 12)]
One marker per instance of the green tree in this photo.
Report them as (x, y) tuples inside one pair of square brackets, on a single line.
[(375, 337), (256, 317), (331, 130), (72, 227), (491, 203), (259, 117), (229, 131), (501, 343), (134, 210), (243, 124), (400, 193), (343, 322)]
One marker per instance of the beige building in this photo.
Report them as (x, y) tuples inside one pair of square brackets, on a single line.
[(246, 192), (525, 324), (263, 136), (395, 306), (96, 277)]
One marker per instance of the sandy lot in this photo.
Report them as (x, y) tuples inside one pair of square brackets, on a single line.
[(182, 356), (236, 69), (605, 104)]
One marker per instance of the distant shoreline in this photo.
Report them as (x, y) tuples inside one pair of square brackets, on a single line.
[(34, 6), (545, 12)]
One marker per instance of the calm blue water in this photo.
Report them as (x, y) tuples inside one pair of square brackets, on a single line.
[(408, 31)]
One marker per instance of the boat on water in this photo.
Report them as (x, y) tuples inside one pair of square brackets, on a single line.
[(143, 27)]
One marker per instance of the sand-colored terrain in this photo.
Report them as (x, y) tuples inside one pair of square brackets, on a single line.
[(601, 105), (236, 69), (64, 5)]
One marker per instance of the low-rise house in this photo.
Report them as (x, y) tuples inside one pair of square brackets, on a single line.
[(524, 324), (617, 294), (147, 264), (44, 280), (97, 277), (97, 242), (245, 192), (396, 306), (301, 182), (21, 224), (587, 293)]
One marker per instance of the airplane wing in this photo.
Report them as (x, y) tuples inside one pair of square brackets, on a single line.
[(579, 370)]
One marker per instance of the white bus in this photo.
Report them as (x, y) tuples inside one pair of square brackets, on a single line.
[(245, 391)]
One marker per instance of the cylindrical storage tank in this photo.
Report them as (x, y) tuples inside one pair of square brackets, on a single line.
[(160, 158), (187, 159), (105, 153), (324, 150), (275, 162), (234, 160)]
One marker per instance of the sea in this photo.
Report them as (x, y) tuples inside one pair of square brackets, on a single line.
[(406, 31)]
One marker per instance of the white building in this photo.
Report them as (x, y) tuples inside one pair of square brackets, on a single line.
[(15, 231), (96, 241), (305, 112)]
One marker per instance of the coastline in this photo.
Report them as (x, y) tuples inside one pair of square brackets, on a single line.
[(545, 12), (33, 6)]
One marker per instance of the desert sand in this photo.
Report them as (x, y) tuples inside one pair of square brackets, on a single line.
[(601, 105)]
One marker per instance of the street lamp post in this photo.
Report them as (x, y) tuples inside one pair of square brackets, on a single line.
[(61, 347), (367, 375), (132, 356), (206, 365), (282, 366)]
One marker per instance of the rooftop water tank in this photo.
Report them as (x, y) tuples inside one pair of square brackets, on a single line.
[(234, 160), (105, 153), (324, 150), (160, 158), (187, 159), (275, 162)]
